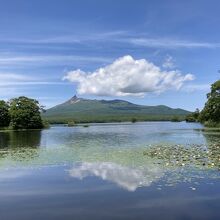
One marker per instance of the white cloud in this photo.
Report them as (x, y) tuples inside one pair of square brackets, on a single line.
[(120, 36), (13, 84), (127, 77), (7, 61), (170, 43), (196, 87), (8, 77), (168, 62), (30, 83), (14, 79), (68, 39)]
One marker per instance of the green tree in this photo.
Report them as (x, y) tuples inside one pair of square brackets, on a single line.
[(133, 120), (175, 119), (211, 111), (193, 117), (25, 113), (4, 114)]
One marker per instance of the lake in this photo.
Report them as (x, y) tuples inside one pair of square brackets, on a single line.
[(148, 170)]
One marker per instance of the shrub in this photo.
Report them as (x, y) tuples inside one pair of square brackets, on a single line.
[(71, 124), (133, 120)]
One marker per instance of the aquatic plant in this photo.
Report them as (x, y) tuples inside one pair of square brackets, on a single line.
[(191, 155)]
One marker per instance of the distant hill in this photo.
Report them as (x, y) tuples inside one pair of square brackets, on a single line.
[(87, 110)]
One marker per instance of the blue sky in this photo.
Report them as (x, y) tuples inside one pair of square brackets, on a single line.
[(149, 52)]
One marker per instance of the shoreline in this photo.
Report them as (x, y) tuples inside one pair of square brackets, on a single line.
[(93, 123)]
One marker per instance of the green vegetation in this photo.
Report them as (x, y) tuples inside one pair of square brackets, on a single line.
[(4, 114), (176, 119), (21, 113), (46, 124), (133, 120), (210, 115), (183, 155), (108, 118), (85, 126), (210, 129), (98, 111), (25, 113), (193, 117), (71, 124)]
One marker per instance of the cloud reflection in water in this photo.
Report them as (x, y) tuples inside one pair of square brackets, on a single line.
[(125, 177)]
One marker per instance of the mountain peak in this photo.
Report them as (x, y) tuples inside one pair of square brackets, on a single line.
[(92, 110), (73, 100)]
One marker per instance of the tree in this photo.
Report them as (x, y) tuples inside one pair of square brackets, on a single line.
[(25, 113), (175, 118), (211, 111), (4, 114), (193, 117), (133, 120)]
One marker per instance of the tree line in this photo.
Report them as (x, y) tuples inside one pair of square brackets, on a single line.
[(210, 115), (25, 113), (21, 113)]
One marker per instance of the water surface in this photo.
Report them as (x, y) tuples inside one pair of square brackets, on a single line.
[(111, 171)]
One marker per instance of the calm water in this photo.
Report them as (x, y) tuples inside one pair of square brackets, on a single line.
[(152, 170)]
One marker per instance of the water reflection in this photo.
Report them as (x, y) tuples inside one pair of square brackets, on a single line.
[(15, 139), (125, 177), (140, 167), (19, 145), (11, 174), (140, 171), (122, 154)]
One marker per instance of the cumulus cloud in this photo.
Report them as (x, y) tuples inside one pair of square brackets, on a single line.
[(127, 77)]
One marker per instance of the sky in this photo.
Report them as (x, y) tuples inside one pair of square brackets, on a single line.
[(149, 52)]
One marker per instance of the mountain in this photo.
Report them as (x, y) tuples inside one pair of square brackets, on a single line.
[(87, 110)]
